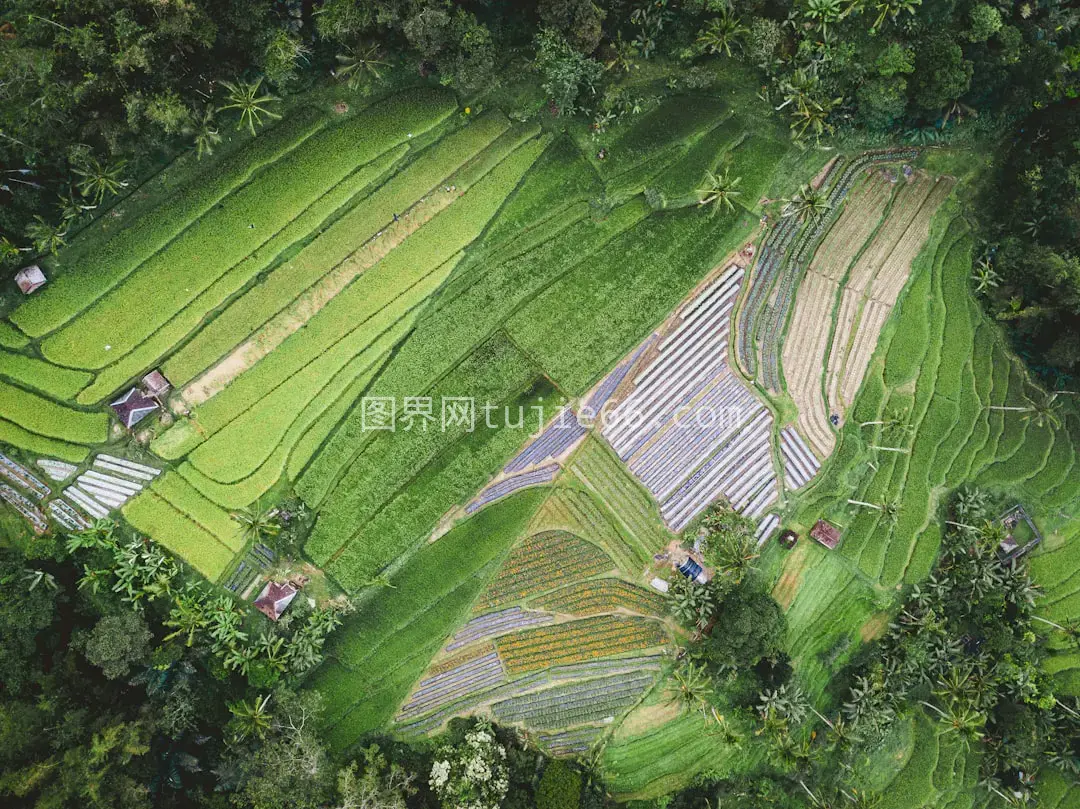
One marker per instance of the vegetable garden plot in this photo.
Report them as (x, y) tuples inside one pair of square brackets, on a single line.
[(498, 623), (577, 512), (577, 703), (543, 562), (601, 595), (689, 429), (578, 641), (557, 438), (441, 689), (800, 465), (509, 485)]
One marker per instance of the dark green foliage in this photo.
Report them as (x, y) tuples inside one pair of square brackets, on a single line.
[(750, 626), (560, 787), (116, 643)]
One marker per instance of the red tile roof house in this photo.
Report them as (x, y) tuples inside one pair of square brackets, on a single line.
[(275, 599), (133, 407), (826, 533)]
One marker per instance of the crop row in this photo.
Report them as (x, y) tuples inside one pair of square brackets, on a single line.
[(47, 418), (597, 466), (605, 389), (579, 326), (556, 438), (192, 318), (210, 246), (587, 639), (182, 496), (575, 511), (155, 517), (542, 562), (380, 462), (574, 703), (496, 623), (601, 595), (331, 247), (14, 435), (102, 269), (59, 383), (567, 742), (535, 477), (441, 689)]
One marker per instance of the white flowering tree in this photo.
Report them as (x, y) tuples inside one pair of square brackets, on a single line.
[(472, 775)]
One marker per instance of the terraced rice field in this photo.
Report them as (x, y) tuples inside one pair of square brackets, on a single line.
[(410, 253)]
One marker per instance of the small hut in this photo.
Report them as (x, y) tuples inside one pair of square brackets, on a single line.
[(133, 407), (1021, 535), (275, 599), (826, 533), (30, 278), (155, 384)]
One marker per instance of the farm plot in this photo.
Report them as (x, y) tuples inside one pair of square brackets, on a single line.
[(579, 703), (578, 512), (601, 595), (580, 326), (688, 429), (243, 221), (544, 562), (381, 651), (578, 641)]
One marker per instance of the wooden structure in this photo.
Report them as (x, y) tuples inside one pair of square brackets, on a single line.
[(133, 407), (1021, 535), (275, 599), (826, 533), (30, 278), (155, 384)]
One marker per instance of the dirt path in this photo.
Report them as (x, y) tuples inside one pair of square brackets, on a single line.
[(299, 312)]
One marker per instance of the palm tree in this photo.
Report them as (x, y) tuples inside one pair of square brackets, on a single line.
[(694, 686), (812, 115), (961, 719), (622, 54), (188, 616), (984, 276), (1046, 410), (206, 134), (357, 64), (100, 179), (823, 13), (721, 190), (47, 238), (250, 718), (721, 33), (788, 704), (258, 523), (892, 9), (889, 510), (9, 252), (244, 96), (734, 554), (808, 204), (70, 208)]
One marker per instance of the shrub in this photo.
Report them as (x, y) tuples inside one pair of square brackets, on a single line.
[(560, 787)]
